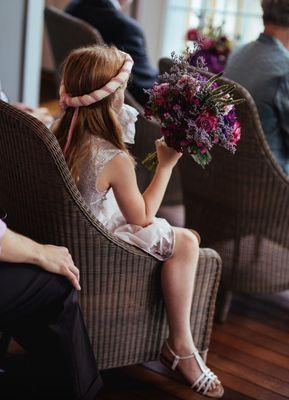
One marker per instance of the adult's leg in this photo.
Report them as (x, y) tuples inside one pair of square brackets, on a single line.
[(41, 311)]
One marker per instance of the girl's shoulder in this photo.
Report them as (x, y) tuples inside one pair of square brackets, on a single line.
[(101, 145), (104, 151)]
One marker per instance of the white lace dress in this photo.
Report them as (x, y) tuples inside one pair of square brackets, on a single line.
[(156, 239)]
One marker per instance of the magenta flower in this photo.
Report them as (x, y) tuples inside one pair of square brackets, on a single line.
[(196, 102), (159, 101), (207, 122), (161, 89), (237, 132), (207, 43), (193, 83), (193, 35)]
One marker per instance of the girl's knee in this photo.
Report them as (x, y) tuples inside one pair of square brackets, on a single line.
[(189, 240)]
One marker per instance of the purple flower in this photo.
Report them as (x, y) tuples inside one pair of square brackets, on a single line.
[(231, 117), (214, 62)]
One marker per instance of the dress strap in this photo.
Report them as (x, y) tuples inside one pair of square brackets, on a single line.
[(103, 152)]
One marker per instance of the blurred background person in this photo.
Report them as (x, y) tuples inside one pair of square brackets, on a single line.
[(262, 67), (118, 28)]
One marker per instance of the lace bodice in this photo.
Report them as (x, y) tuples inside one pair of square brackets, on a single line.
[(102, 203)]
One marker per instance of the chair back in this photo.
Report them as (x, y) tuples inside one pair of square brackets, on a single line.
[(67, 33), (239, 203)]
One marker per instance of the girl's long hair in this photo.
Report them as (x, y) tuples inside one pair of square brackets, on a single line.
[(83, 71)]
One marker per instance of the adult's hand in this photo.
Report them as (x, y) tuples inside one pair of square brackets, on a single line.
[(16, 248), (59, 261)]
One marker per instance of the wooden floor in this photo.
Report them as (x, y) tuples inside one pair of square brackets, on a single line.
[(250, 353)]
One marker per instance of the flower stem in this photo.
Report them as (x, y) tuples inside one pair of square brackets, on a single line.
[(151, 161)]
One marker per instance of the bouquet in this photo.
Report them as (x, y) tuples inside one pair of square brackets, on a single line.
[(212, 45), (194, 111)]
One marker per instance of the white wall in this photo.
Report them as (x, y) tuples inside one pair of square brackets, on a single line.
[(20, 49), (152, 15), (33, 52), (12, 25)]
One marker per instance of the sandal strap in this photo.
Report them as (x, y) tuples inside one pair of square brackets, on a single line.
[(207, 377), (204, 382), (177, 358), (200, 362)]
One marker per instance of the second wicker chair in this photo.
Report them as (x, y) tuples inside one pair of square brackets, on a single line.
[(239, 205)]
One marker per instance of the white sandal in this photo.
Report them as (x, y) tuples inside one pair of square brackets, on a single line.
[(203, 384)]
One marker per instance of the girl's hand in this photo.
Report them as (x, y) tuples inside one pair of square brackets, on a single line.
[(58, 261), (167, 156)]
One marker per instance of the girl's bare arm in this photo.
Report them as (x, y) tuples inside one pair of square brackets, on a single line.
[(137, 208)]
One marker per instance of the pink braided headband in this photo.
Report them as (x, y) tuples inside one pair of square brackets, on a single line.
[(97, 95)]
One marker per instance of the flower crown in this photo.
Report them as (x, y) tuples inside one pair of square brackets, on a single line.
[(84, 100), (99, 94)]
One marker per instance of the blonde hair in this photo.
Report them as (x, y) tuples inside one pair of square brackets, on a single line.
[(84, 70)]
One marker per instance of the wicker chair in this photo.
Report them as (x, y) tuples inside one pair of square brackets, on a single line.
[(120, 297), (239, 204), (67, 33), (76, 33)]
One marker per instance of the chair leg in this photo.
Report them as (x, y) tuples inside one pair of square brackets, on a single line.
[(223, 305)]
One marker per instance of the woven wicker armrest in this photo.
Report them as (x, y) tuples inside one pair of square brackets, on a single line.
[(124, 310)]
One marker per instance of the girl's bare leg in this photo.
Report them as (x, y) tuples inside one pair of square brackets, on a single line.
[(178, 278)]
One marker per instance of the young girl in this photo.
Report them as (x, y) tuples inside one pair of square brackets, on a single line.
[(91, 133)]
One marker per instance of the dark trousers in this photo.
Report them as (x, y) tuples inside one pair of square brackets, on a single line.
[(41, 311)]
